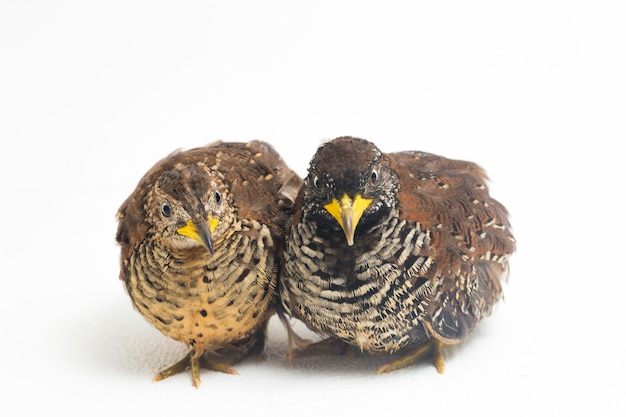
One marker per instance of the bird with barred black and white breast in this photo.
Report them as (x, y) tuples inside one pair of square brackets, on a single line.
[(398, 253), (200, 241)]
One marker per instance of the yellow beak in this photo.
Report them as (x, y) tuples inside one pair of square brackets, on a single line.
[(348, 212), (200, 230)]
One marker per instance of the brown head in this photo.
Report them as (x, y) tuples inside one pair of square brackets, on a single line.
[(349, 184), (190, 199), (180, 203)]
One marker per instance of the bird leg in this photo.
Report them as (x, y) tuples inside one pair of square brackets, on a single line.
[(432, 348), (293, 338)]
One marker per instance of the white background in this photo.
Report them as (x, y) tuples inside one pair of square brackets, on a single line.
[(92, 94)]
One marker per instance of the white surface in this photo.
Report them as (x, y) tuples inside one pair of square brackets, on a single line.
[(93, 93)]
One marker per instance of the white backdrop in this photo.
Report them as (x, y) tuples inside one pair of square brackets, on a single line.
[(92, 94)]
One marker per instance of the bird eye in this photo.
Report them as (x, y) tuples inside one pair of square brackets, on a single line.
[(218, 197), (317, 183), (166, 210), (374, 176)]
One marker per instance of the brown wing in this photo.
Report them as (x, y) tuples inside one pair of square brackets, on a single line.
[(262, 185), (470, 234)]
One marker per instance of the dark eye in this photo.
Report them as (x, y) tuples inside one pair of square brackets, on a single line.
[(218, 197), (317, 183), (166, 210), (374, 176)]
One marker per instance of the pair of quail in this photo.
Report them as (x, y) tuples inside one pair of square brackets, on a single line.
[(396, 253)]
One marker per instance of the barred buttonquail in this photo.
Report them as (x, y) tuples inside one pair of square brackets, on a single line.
[(199, 238), (400, 253)]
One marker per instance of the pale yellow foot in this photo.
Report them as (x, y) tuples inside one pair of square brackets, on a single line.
[(432, 349), (177, 368), (195, 363)]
